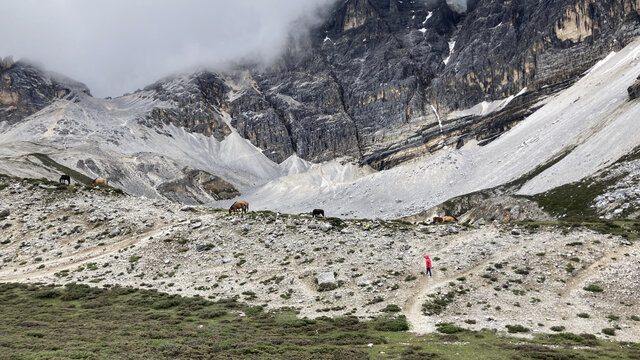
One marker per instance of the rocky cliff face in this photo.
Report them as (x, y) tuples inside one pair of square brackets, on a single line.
[(374, 75), (381, 80), (25, 89)]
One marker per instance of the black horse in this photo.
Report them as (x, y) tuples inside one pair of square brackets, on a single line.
[(317, 212), (66, 178)]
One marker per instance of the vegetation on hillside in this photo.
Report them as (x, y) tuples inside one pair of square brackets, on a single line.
[(80, 322)]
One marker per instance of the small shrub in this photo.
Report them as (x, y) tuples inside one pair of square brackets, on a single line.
[(392, 324), (410, 278), (517, 329), (391, 308), (448, 328), (47, 294), (583, 315), (212, 314), (635, 318), (75, 291), (438, 304), (593, 288), (296, 323), (557, 328), (613, 317), (609, 331), (134, 258), (568, 336), (252, 310)]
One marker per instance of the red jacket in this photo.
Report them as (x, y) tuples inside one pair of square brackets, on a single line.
[(428, 261)]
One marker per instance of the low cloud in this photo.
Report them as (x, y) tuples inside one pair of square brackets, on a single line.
[(118, 46)]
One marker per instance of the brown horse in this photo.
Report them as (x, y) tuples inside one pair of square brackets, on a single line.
[(437, 219), (317, 212), (100, 182), (446, 219), (241, 205)]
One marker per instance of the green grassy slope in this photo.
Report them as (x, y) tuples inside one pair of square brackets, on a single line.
[(79, 322)]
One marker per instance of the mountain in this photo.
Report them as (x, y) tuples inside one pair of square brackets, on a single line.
[(367, 83), (25, 89), (447, 100)]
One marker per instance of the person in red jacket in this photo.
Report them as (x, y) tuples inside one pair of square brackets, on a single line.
[(428, 264)]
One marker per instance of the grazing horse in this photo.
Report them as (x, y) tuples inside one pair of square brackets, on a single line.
[(437, 219), (64, 178), (241, 206), (99, 181), (317, 212), (447, 219)]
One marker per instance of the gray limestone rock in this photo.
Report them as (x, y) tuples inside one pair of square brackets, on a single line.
[(326, 281), (634, 90)]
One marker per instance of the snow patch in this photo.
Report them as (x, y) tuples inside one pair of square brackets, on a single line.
[(429, 15), (452, 45), (486, 107)]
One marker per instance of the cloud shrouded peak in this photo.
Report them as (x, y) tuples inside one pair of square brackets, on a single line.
[(118, 46)]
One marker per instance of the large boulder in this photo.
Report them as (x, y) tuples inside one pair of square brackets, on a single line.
[(634, 90), (326, 281)]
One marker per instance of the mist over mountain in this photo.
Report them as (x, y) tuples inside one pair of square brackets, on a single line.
[(120, 46)]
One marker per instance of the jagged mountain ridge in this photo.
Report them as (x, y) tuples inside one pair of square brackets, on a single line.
[(367, 84), (26, 89), (358, 90)]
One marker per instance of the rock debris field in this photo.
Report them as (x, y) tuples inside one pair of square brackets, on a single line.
[(544, 279)]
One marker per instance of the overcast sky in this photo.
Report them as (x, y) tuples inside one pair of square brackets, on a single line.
[(118, 46)]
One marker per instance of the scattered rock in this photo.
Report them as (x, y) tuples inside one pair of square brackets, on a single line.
[(326, 281), (634, 90), (325, 227)]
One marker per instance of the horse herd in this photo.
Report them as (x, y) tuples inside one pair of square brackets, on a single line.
[(243, 206), (96, 182)]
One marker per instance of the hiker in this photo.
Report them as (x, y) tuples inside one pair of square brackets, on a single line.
[(428, 265)]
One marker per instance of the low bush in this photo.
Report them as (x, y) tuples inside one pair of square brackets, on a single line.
[(398, 323), (593, 288), (448, 328), (517, 329), (609, 331)]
